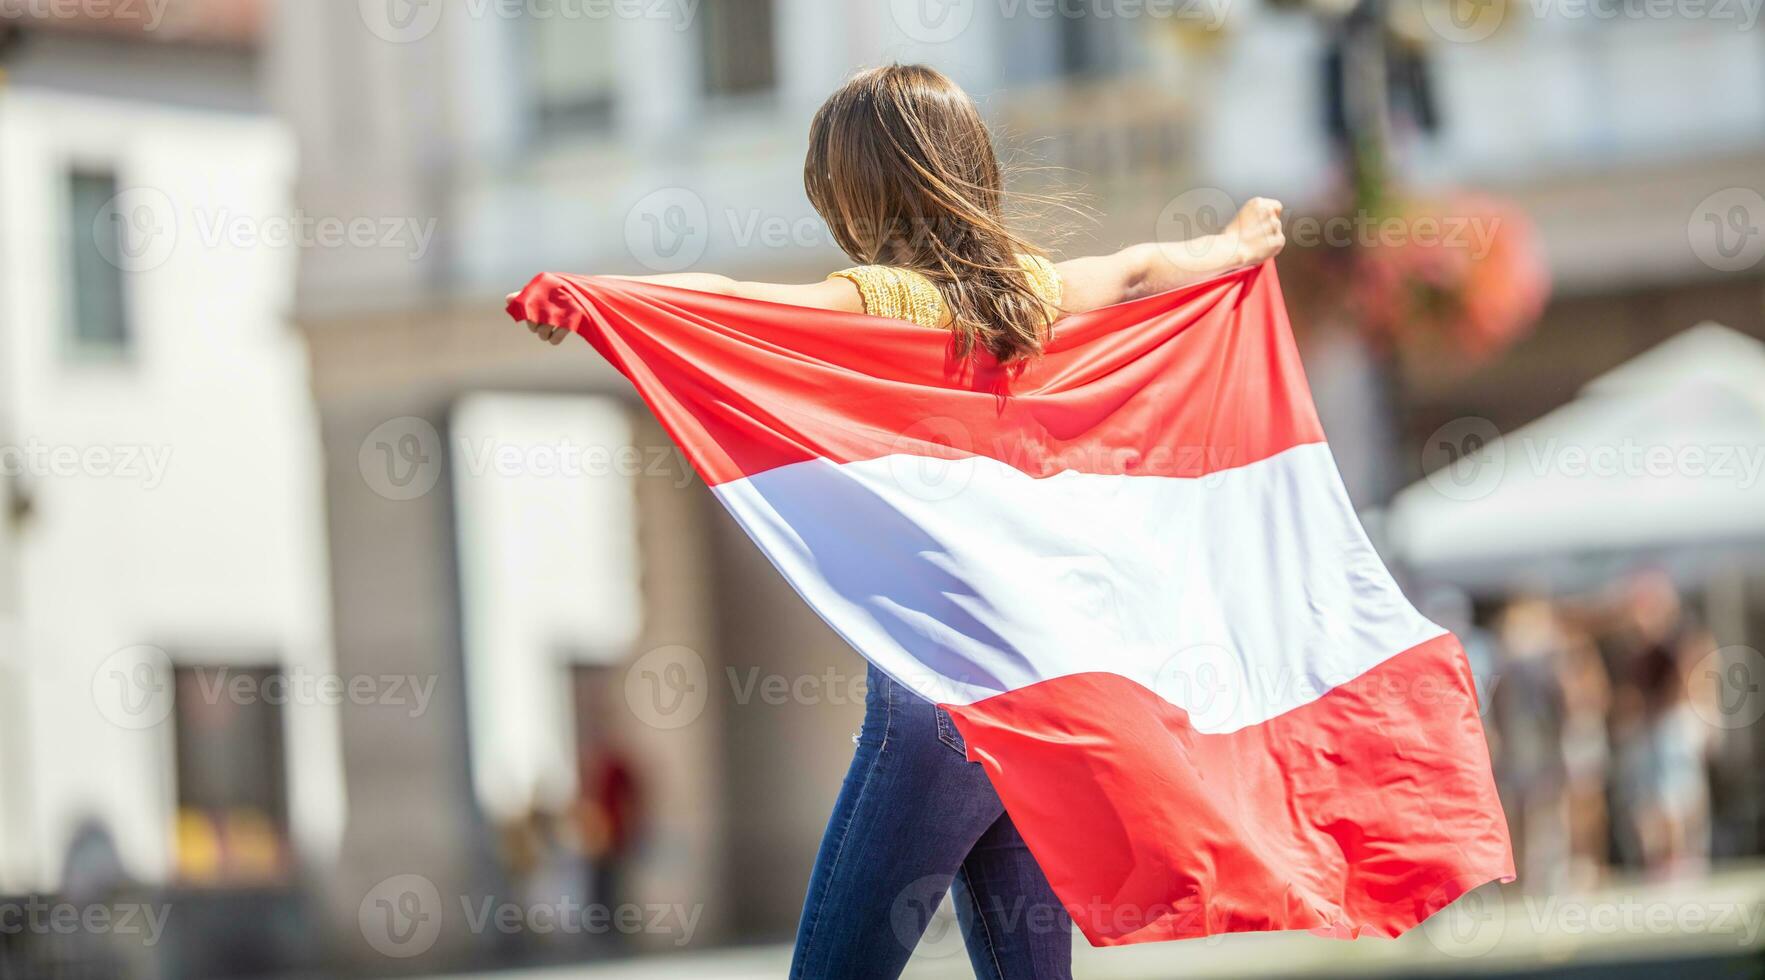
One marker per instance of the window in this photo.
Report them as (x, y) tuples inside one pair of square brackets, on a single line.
[(1092, 46), (737, 46), (99, 240), (231, 769), (573, 71)]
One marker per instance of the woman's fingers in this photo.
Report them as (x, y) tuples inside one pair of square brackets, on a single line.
[(549, 334)]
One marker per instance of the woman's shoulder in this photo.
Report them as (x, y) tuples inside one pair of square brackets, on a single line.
[(897, 292), (1044, 277), (907, 294)]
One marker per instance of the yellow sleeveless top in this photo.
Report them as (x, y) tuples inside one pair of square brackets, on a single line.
[(904, 294)]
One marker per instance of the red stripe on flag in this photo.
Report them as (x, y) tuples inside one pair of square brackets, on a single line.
[(1362, 812), (1193, 381)]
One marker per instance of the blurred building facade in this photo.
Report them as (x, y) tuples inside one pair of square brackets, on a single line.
[(669, 139), (632, 144), (406, 487), (162, 537), (136, 387)]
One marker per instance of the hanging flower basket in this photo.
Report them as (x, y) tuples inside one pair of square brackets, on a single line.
[(1446, 282)]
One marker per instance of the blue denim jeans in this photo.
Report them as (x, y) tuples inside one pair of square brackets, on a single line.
[(915, 820)]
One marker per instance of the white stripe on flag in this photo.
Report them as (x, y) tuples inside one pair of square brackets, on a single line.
[(1237, 596)]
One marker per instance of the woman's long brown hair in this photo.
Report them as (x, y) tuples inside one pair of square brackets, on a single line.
[(903, 170)]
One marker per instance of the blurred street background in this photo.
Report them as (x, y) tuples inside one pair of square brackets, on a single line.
[(346, 631)]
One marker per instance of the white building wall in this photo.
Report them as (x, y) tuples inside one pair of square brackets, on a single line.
[(546, 513), (218, 549)]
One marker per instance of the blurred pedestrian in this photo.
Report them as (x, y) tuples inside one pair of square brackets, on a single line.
[(607, 814), (1587, 756), (1530, 712), (1662, 746)]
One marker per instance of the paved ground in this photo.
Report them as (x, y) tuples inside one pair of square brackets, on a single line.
[(1709, 928)]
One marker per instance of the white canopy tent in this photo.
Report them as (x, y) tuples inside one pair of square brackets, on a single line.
[(1661, 460)]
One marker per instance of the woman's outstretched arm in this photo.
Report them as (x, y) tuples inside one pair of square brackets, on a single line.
[(1153, 267), (1088, 283), (831, 294)]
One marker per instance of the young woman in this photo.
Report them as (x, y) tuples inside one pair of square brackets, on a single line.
[(904, 172)]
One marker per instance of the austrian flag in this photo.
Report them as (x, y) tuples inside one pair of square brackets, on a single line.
[(1129, 571)]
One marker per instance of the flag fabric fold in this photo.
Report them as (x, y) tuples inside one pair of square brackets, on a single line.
[(1129, 571)]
